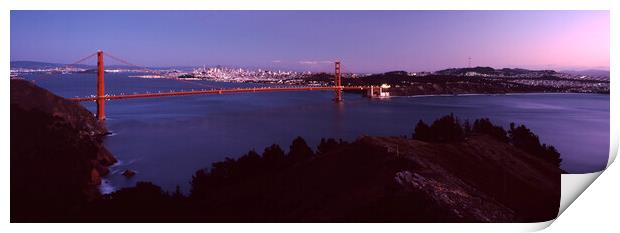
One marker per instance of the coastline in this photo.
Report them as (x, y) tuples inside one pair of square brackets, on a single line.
[(497, 94)]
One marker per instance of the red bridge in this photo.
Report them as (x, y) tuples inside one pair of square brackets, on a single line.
[(101, 96)]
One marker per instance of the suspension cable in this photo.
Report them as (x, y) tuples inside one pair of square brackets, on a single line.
[(82, 60)]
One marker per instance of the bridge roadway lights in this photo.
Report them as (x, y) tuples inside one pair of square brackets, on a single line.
[(100, 98)]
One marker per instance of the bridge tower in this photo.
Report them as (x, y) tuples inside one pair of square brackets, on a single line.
[(338, 83), (100, 87)]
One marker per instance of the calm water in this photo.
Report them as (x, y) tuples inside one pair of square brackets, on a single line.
[(167, 139)]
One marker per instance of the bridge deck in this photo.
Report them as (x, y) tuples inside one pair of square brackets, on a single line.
[(219, 91)]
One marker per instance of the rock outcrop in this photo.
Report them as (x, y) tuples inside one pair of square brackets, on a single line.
[(479, 179), (128, 173)]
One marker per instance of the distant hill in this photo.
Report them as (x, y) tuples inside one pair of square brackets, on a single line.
[(590, 72), (43, 65), (48, 65), (492, 71)]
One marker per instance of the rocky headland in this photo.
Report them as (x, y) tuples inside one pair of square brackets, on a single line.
[(57, 156)]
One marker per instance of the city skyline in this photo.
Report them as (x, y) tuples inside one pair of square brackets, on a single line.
[(366, 41)]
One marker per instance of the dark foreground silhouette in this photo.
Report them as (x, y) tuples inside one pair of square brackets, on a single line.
[(56, 155), (447, 172)]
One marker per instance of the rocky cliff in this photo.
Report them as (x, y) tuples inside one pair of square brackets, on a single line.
[(57, 156)]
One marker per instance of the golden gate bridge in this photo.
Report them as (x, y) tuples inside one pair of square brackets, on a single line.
[(100, 98)]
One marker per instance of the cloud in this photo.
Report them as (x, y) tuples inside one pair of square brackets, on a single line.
[(306, 62), (276, 61)]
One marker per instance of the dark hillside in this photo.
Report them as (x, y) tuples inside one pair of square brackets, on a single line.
[(56, 155)]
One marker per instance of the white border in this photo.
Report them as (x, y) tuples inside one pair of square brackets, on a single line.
[(6, 5), (311, 5)]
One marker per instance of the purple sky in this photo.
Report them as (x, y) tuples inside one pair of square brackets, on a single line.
[(365, 41)]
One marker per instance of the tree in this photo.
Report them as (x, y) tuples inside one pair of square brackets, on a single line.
[(299, 150), (178, 195), (199, 184), (327, 145), (273, 157), (484, 126), (446, 129), (467, 128), (422, 131), (524, 139), (552, 155), (249, 164), (273, 153)]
